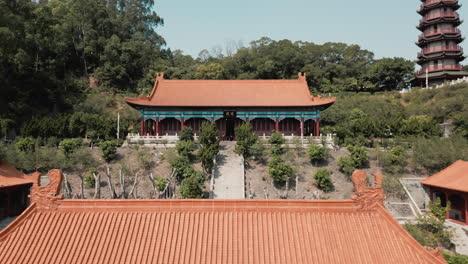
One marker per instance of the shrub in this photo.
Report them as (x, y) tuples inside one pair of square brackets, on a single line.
[(88, 179), (192, 187), (429, 229), (346, 165), (323, 180), (317, 153), (436, 153), (160, 183), (394, 160), (185, 148), (109, 150), (454, 258), (25, 144), (70, 145), (186, 134), (280, 171), (246, 140), (358, 155)]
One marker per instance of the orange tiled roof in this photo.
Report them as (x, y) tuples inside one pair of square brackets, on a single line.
[(212, 93), (10, 176), (454, 177), (209, 231)]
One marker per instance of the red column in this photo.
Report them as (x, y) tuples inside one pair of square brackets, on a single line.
[(142, 126), (157, 126), (277, 125), (317, 128), (302, 127), (181, 123), (465, 197)]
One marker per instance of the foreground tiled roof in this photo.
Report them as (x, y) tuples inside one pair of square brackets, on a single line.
[(212, 93), (454, 177), (9, 176), (210, 231)]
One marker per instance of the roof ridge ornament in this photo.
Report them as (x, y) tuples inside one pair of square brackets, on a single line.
[(302, 76), (367, 198), (45, 196)]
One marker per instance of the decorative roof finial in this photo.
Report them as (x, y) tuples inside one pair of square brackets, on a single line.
[(160, 76), (45, 196), (302, 76), (367, 197)]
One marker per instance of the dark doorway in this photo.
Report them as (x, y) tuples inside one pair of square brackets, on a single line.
[(230, 133)]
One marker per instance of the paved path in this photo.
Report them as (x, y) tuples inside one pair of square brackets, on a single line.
[(460, 238), (228, 173)]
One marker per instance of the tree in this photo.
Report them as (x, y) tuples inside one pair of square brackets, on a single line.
[(394, 160), (346, 165), (192, 187), (323, 180), (69, 146), (358, 156), (109, 150), (317, 153), (212, 71), (185, 148), (186, 134), (280, 171), (277, 141), (209, 145), (246, 140), (420, 126), (390, 73), (181, 166)]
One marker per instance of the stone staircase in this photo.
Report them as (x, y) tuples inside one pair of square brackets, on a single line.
[(228, 176)]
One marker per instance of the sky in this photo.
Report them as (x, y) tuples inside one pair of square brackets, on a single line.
[(385, 27)]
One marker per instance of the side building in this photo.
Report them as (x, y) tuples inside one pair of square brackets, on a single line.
[(441, 53), (285, 106)]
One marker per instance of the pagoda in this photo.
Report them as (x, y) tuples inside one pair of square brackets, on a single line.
[(441, 54)]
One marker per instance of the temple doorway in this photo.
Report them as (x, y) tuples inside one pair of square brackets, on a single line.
[(230, 132)]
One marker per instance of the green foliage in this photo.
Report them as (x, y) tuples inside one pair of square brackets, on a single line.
[(455, 258), (346, 165), (439, 211), (317, 153), (246, 140), (280, 171), (212, 71), (390, 73), (160, 183), (421, 126), (109, 150), (358, 156), (69, 146), (186, 134), (145, 158), (209, 145), (25, 144), (277, 141), (393, 161), (323, 180), (429, 229), (437, 153), (88, 179), (192, 186), (185, 148), (182, 167)]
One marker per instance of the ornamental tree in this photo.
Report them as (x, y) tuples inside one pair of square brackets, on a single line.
[(246, 140), (323, 180), (317, 153)]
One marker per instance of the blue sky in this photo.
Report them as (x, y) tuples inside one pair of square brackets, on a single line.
[(385, 27)]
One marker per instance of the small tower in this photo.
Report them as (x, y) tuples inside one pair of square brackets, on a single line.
[(441, 54)]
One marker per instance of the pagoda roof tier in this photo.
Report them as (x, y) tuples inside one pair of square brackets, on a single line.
[(426, 40), (424, 23), (230, 93), (9, 176), (454, 177), (358, 230), (442, 75), (430, 4), (441, 55)]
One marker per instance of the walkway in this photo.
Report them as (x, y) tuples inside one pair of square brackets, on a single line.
[(228, 173), (460, 239)]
